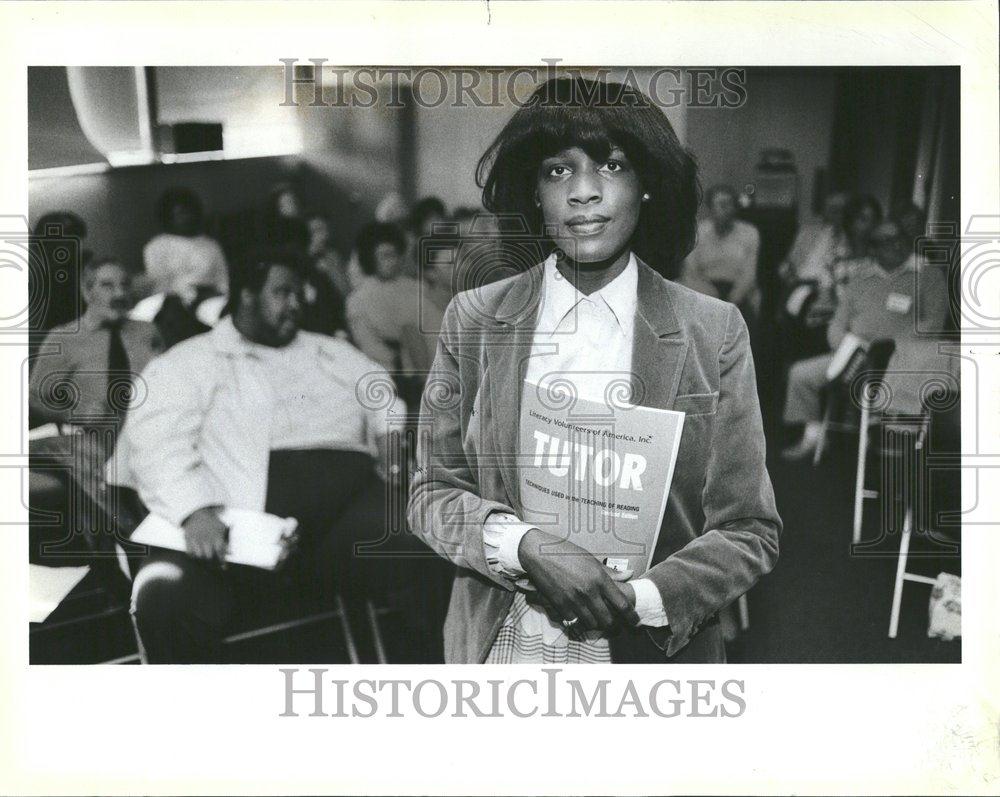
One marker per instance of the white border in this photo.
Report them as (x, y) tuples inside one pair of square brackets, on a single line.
[(807, 729)]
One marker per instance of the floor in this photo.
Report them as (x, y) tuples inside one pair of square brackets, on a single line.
[(823, 604), (820, 604)]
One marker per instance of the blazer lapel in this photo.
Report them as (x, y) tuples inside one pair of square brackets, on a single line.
[(508, 346), (658, 354), (658, 348)]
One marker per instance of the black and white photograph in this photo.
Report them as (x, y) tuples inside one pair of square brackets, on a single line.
[(340, 371), (274, 408)]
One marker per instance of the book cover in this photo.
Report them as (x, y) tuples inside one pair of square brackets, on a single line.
[(597, 473)]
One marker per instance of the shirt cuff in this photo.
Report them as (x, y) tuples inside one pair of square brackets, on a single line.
[(648, 603), (502, 533)]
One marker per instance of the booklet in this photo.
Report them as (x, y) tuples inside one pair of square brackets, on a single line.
[(846, 355), (257, 539), (596, 474), (48, 587)]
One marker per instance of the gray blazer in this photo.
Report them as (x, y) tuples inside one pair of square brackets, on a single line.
[(691, 353)]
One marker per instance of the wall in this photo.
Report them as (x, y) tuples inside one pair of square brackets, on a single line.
[(792, 109), (348, 162), (451, 140)]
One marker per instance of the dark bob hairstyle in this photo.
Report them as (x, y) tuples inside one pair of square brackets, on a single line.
[(183, 197), (597, 116), (369, 239)]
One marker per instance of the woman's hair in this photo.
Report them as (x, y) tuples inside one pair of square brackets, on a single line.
[(597, 116), (371, 236), (173, 197), (857, 205)]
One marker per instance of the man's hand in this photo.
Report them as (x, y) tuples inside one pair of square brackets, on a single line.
[(206, 536), (574, 583)]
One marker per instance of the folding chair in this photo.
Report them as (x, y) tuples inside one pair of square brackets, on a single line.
[(939, 431), (868, 367), (127, 511), (879, 354)]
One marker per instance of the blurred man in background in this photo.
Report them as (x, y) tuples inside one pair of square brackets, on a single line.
[(255, 415)]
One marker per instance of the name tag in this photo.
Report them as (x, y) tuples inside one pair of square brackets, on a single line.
[(898, 303)]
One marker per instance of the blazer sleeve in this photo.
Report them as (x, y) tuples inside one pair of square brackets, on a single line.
[(446, 508), (742, 526)]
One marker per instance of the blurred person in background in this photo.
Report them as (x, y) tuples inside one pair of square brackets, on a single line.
[(912, 222), (255, 415), (723, 263), (324, 256), (326, 282), (82, 379), (389, 317), (817, 245), (881, 301), (184, 268), (421, 222), (284, 224), (182, 259), (862, 215)]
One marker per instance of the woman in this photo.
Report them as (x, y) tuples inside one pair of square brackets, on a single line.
[(724, 261), (598, 176), (862, 215), (389, 315), (182, 260), (186, 278)]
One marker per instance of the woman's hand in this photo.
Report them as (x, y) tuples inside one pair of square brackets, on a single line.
[(574, 583)]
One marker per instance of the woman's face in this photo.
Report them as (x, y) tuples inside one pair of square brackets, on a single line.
[(388, 260), (183, 220), (590, 208)]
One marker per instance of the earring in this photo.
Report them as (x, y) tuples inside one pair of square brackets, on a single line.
[(645, 197)]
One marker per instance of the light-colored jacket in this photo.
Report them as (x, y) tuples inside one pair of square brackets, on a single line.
[(204, 423), (690, 353)]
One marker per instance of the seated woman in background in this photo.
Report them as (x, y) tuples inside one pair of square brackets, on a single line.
[(723, 263), (183, 268), (389, 315), (853, 253), (182, 258), (818, 244), (323, 256)]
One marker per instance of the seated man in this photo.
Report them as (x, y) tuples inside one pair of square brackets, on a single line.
[(881, 302), (255, 415), (80, 382)]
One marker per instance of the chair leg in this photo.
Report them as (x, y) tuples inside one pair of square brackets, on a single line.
[(376, 633), (897, 592), (744, 608), (143, 658), (859, 481), (821, 443), (345, 625)]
